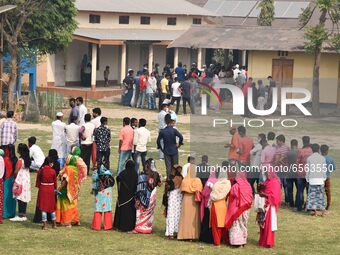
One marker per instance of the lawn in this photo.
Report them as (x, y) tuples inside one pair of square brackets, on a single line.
[(298, 233)]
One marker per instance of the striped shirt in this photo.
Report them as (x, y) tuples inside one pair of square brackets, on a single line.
[(8, 132)]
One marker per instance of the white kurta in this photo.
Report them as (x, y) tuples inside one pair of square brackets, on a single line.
[(59, 138)]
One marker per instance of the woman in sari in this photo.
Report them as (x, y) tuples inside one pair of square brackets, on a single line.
[(103, 182), (71, 177), (206, 232), (125, 214), (172, 200), (2, 174), (240, 201), (146, 198), (190, 224), (218, 197), (271, 191), (10, 161)]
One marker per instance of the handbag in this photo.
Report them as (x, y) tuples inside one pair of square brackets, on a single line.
[(259, 203), (17, 189), (198, 196)]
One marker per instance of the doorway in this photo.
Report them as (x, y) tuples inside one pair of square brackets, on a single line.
[(282, 72)]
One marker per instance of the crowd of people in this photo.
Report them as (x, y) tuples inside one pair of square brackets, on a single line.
[(201, 202), (185, 85)]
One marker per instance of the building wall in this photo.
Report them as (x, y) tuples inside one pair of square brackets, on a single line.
[(111, 21), (260, 66)]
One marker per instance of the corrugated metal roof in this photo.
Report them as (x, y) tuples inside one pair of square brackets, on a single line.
[(173, 7), (129, 34), (242, 38)]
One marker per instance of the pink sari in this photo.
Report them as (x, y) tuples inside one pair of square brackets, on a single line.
[(206, 193), (145, 217)]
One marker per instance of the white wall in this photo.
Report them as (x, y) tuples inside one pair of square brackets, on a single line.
[(74, 56), (159, 55), (108, 56), (133, 57)]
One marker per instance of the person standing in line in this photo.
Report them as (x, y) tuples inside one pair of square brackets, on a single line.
[(170, 148), (36, 154), (9, 131), (134, 125), (280, 161), (86, 136), (331, 167), (316, 175), (102, 138), (291, 178), (59, 138), (74, 111), (96, 116), (164, 90), (303, 154), (47, 184), (125, 144), (2, 178), (180, 72), (140, 140), (255, 159), (261, 96), (82, 110), (234, 147), (129, 83), (23, 180), (150, 92), (106, 76), (2, 120), (187, 95), (161, 122), (143, 81), (72, 134), (176, 94)]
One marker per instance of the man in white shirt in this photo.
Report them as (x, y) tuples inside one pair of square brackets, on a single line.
[(96, 114), (176, 94), (236, 71), (316, 174), (140, 140), (86, 136), (36, 154), (82, 110), (58, 136), (72, 134), (161, 121)]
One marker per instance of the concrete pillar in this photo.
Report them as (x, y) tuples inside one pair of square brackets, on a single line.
[(150, 61), (94, 67), (244, 57), (199, 58), (123, 63), (176, 57)]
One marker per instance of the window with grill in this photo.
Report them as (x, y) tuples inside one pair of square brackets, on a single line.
[(197, 21), (94, 18), (172, 21), (145, 20), (124, 19)]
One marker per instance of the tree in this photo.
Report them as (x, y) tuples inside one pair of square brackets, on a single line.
[(36, 27), (267, 13), (317, 36)]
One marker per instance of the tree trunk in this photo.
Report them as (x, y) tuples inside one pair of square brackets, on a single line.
[(12, 77), (316, 83)]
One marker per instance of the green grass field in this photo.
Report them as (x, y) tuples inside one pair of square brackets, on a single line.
[(298, 233)]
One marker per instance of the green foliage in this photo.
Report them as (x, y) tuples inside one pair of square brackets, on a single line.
[(335, 41), (305, 16), (267, 13), (315, 36)]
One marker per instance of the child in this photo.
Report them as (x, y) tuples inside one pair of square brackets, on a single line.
[(47, 184), (22, 183), (103, 182), (172, 200), (331, 166)]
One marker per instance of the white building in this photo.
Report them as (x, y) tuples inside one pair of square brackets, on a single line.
[(125, 34)]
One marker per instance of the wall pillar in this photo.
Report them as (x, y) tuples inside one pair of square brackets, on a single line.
[(199, 59), (176, 57), (94, 67), (244, 57), (150, 61), (123, 63)]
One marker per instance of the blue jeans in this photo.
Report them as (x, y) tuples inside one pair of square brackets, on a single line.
[(151, 101), (138, 157), (284, 186), (141, 99), (44, 216), (123, 156), (290, 190), (301, 185)]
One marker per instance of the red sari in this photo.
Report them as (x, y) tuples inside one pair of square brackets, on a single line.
[(47, 183), (272, 190)]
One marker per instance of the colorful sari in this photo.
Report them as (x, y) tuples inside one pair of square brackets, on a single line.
[(74, 173), (9, 207), (2, 173), (240, 201), (145, 216)]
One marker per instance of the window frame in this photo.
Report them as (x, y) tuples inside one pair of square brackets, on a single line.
[(197, 21), (173, 19), (148, 18), (94, 19), (123, 17)]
